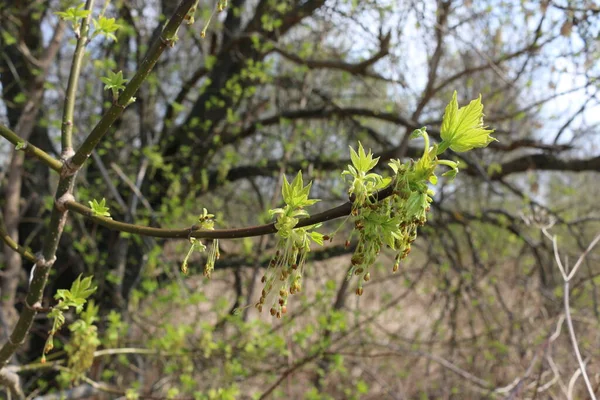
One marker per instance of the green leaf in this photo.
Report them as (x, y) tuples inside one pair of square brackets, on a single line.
[(73, 14), (8, 38), (316, 237), (298, 185), (418, 132), (114, 81), (107, 27), (99, 209), (363, 162), (74, 297), (83, 288), (451, 174), (20, 98), (295, 194), (354, 157), (462, 128), (286, 191)]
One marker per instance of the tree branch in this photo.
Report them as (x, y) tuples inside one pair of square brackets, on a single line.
[(30, 149), (69, 103), (15, 246), (167, 38), (545, 162), (66, 183), (353, 68), (233, 233)]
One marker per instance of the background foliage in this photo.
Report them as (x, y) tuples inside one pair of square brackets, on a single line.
[(269, 88)]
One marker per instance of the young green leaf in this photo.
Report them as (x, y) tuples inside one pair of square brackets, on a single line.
[(418, 132), (99, 209), (363, 162), (114, 82), (106, 27), (317, 237), (462, 128), (295, 194), (81, 289), (74, 15)]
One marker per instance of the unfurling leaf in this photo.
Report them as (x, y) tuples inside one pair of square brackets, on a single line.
[(462, 128), (99, 209)]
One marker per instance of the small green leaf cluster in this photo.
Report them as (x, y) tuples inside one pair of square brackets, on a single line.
[(364, 183), (99, 209), (76, 298), (74, 15), (284, 274), (115, 83), (105, 27), (116, 328), (102, 26), (205, 221)]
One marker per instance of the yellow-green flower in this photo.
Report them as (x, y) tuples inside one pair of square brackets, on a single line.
[(462, 128)]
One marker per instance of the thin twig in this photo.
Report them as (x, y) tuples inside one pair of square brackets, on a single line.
[(586, 379), (567, 276)]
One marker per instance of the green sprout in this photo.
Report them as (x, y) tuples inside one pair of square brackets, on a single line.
[(22, 145), (206, 221), (106, 27), (364, 184), (99, 209), (74, 15), (114, 82)]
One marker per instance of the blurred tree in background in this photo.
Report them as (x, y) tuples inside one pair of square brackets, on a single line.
[(265, 88)]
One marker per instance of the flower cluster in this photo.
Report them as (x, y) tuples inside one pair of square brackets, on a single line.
[(81, 347), (206, 221), (284, 274), (394, 220), (379, 221)]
